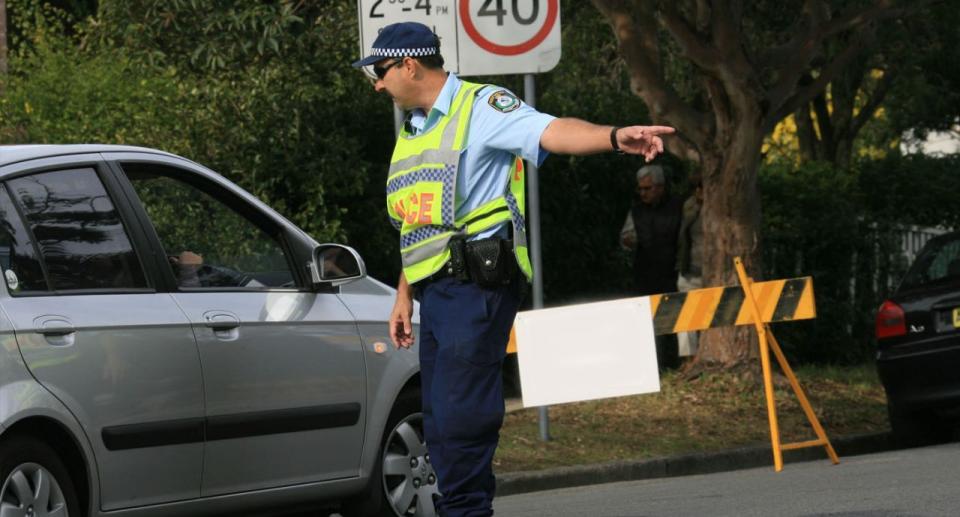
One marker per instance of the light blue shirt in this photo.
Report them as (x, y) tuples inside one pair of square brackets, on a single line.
[(496, 134)]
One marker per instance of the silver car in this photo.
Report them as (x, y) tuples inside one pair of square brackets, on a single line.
[(169, 345)]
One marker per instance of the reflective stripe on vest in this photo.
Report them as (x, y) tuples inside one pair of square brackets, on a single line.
[(421, 187)]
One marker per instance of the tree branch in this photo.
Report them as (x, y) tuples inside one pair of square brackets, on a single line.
[(815, 13), (882, 10), (873, 103), (817, 16), (703, 15), (726, 36), (640, 50), (806, 136), (737, 72), (800, 50), (825, 124), (803, 95), (693, 46)]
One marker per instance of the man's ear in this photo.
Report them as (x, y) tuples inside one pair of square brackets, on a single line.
[(411, 67)]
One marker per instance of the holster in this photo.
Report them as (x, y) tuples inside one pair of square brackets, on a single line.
[(457, 267), (490, 262)]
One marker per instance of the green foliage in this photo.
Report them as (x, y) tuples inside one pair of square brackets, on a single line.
[(261, 93), (62, 95), (207, 36), (914, 189), (927, 96), (809, 229)]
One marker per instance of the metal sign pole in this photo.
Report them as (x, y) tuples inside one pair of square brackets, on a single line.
[(397, 119), (533, 216)]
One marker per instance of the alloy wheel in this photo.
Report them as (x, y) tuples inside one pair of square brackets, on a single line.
[(408, 477), (30, 490)]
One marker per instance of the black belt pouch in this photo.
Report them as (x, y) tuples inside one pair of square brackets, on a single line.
[(491, 262)]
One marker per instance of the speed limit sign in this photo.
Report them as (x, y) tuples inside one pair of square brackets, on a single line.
[(508, 36), (477, 37)]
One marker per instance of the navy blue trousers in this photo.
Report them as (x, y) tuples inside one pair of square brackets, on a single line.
[(464, 331)]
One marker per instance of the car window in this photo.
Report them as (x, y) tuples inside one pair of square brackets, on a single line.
[(18, 256), (208, 243), (78, 231), (938, 262)]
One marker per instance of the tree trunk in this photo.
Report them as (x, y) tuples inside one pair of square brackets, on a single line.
[(731, 219), (742, 94)]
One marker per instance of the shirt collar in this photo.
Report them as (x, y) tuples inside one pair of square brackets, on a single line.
[(422, 121)]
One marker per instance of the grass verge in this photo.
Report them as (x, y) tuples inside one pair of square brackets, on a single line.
[(713, 412)]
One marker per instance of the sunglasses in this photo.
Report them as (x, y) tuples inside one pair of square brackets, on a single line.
[(381, 71)]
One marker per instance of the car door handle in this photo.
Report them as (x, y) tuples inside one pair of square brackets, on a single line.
[(57, 330), (218, 320)]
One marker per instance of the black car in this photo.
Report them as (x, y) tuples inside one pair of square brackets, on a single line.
[(918, 337)]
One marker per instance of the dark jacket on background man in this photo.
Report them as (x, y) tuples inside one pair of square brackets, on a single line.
[(655, 254)]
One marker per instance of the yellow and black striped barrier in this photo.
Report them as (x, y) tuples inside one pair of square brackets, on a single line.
[(700, 309), (750, 303)]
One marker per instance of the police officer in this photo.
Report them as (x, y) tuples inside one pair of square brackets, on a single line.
[(455, 192)]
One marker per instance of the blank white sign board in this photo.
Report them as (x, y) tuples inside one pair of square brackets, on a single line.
[(585, 352)]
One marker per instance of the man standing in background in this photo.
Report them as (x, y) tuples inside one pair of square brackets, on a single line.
[(650, 231)]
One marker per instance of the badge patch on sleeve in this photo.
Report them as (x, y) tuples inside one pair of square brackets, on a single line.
[(504, 101)]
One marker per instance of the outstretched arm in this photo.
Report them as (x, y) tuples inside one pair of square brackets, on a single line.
[(579, 137)]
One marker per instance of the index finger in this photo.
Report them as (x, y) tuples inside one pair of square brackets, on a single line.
[(658, 130), (393, 334)]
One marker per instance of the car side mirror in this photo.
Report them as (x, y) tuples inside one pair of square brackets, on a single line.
[(336, 264)]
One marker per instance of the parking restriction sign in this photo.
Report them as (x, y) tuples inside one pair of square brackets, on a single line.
[(439, 15), (477, 37)]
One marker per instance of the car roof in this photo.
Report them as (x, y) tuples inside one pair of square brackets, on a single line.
[(949, 236), (18, 153)]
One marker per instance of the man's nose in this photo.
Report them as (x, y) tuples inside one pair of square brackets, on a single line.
[(378, 86)]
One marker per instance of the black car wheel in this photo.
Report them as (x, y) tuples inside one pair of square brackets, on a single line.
[(403, 483), (35, 481)]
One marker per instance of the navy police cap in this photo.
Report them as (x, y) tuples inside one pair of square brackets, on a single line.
[(401, 40)]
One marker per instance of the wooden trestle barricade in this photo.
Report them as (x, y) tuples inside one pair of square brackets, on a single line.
[(750, 303), (756, 303)]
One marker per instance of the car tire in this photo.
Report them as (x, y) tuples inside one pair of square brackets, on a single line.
[(29, 467), (409, 485), (913, 428)]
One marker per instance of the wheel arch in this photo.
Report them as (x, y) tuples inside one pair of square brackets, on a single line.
[(67, 446), (411, 387)]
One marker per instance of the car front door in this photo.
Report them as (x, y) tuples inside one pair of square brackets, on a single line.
[(93, 330), (282, 366)]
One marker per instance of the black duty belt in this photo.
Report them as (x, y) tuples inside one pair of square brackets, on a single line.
[(487, 262)]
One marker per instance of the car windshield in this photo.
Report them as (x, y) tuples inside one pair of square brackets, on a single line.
[(938, 262)]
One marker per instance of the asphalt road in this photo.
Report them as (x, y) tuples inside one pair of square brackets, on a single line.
[(911, 482)]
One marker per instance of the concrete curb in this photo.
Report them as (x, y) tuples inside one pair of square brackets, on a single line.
[(682, 465)]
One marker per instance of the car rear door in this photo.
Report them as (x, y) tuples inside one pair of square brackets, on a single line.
[(94, 331), (283, 366)]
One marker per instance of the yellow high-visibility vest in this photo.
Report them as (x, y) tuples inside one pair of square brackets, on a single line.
[(421, 187)]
